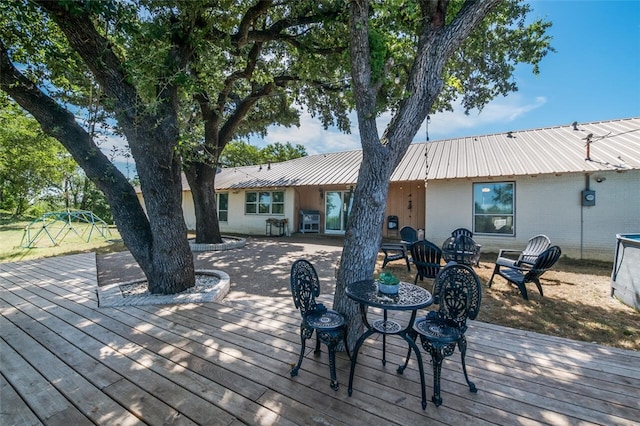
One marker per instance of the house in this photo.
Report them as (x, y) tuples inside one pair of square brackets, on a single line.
[(578, 183)]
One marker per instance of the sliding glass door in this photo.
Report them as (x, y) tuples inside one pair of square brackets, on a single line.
[(336, 209)]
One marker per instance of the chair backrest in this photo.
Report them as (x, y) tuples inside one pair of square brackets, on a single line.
[(305, 285), (461, 249), (458, 292), (465, 244), (462, 231), (426, 256), (535, 246), (408, 234), (543, 263)]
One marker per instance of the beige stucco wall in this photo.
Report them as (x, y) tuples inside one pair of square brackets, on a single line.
[(545, 204), (253, 224)]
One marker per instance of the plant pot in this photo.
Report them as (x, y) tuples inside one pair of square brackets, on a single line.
[(388, 288)]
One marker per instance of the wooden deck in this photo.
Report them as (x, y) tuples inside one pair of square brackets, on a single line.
[(64, 361)]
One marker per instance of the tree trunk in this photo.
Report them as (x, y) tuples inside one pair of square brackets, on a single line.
[(201, 178), (363, 236), (157, 240), (380, 156)]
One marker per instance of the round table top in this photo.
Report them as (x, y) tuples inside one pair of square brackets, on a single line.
[(409, 297)]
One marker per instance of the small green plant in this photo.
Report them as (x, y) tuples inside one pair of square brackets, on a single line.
[(388, 278)]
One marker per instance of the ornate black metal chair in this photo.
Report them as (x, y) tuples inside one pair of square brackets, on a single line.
[(461, 249), (458, 293), (462, 231), (521, 275), (426, 256), (408, 235), (329, 325)]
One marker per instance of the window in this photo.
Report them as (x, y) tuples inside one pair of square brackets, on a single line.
[(493, 208), (222, 203), (265, 202)]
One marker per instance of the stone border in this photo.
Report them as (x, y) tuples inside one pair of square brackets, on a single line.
[(111, 295), (229, 243)]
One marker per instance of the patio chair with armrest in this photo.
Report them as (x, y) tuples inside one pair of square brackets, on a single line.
[(426, 256), (521, 275), (458, 293), (408, 234), (329, 325), (394, 251), (525, 258)]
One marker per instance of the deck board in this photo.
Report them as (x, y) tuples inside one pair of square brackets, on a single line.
[(66, 361)]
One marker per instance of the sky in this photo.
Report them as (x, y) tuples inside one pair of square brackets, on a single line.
[(594, 75)]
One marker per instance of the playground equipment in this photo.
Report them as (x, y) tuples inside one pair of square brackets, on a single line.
[(56, 226)]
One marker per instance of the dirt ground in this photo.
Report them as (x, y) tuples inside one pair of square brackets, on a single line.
[(577, 302)]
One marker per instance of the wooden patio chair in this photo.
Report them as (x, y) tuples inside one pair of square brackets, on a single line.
[(329, 325), (520, 275)]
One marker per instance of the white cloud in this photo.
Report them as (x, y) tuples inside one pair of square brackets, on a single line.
[(444, 125)]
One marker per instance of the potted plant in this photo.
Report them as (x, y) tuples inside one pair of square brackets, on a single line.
[(388, 283)]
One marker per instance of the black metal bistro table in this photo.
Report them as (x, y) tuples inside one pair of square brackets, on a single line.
[(409, 298)]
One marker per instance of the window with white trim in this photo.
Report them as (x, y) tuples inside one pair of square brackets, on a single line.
[(222, 204), (493, 208), (264, 202)]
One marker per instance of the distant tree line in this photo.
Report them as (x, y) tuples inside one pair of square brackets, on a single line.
[(38, 175)]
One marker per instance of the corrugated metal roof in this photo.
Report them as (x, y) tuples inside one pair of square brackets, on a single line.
[(614, 145)]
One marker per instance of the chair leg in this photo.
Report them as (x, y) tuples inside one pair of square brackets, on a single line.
[(436, 359), (495, 271), (331, 340), (303, 339), (462, 345), (537, 281), (317, 350), (523, 290), (413, 335), (332, 368)]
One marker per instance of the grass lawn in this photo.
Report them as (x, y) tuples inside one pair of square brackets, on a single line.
[(577, 302), (70, 240)]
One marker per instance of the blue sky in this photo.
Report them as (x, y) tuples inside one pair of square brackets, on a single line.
[(594, 75)]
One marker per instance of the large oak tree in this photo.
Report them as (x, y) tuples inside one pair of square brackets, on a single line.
[(438, 50), (181, 79), (53, 41)]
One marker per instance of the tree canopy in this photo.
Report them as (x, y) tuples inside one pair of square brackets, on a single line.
[(32, 164), (241, 153), (183, 79)]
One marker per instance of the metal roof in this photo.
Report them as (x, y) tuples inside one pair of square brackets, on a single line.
[(614, 145)]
